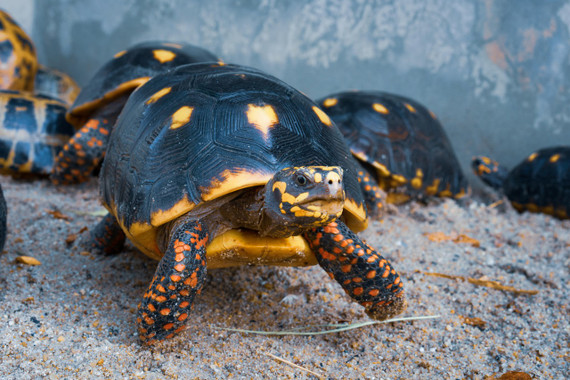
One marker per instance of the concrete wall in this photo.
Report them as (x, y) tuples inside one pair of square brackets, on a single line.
[(497, 73)]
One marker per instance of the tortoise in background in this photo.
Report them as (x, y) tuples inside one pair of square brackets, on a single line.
[(540, 183), (400, 145), (100, 102), (221, 165)]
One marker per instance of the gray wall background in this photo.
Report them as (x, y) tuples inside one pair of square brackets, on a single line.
[(496, 72)]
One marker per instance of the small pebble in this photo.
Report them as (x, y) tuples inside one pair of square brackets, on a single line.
[(28, 260)]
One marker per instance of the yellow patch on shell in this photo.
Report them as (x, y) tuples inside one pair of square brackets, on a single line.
[(159, 94), (262, 117), (163, 56), (322, 116), (181, 117), (397, 198), (330, 102), (380, 108), (221, 63), (381, 169), (77, 116), (446, 193), (355, 215), (432, 115), (486, 160), (462, 193), (399, 180), (554, 158), (432, 189), (532, 157), (416, 182), (410, 108), (233, 181), (120, 54)]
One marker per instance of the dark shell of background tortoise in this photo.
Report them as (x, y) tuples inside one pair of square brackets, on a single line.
[(400, 142)]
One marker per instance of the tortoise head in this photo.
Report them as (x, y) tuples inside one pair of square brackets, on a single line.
[(300, 198), (490, 171)]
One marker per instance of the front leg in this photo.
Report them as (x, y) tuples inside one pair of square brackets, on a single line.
[(373, 196), (178, 279), (362, 272)]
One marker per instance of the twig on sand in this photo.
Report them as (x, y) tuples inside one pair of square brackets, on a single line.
[(482, 282), (292, 364)]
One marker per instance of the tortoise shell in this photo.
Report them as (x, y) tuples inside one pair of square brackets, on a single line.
[(55, 84), (400, 142), (203, 131), (541, 183), (18, 61), (130, 69), (33, 130)]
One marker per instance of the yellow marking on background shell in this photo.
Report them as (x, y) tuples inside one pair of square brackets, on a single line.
[(397, 198), (432, 190), (486, 160), (170, 44), (532, 157), (416, 182), (77, 116), (462, 193), (381, 169), (330, 102), (360, 155), (262, 117), (432, 115), (380, 108), (447, 192), (181, 117), (221, 63), (322, 116), (163, 56), (120, 54), (158, 95), (554, 158), (410, 108), (399, 179)]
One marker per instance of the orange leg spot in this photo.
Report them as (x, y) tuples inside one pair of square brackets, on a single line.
[(182, 317), (160, 298), (151, 307), (374, 292), (160, 288), (386, 272), (180, 267), (371, 274), (165, 311), (184, 304), (168, 326), (357, 291), (148, 320), (346, 268), (175, 278)]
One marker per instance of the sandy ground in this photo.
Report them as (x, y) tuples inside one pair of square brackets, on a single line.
[(73, 315)]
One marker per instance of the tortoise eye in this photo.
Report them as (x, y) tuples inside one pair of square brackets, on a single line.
[(301, 180)]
